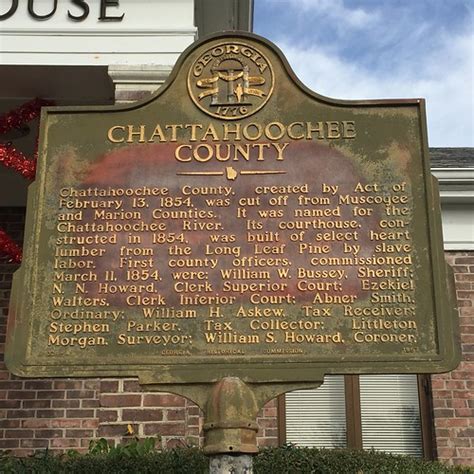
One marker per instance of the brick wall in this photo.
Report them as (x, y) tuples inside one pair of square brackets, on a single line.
[(61, 414), (453, 393), (67, 413)]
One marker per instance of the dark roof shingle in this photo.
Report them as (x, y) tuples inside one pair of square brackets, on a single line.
[(452, 157)]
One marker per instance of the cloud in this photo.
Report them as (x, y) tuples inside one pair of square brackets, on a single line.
[(338, 12), (444, 78), (367, 49)]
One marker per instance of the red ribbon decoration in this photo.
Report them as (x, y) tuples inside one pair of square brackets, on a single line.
[(14, 159), (16, 118), (9, 247)]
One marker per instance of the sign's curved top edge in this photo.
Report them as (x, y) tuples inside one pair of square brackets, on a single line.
[(236, 35)]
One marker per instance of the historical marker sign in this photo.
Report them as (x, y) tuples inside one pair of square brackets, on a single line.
[(234, 224)]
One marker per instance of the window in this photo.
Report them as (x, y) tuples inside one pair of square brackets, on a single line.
[(390, 414), (384, 412), (317, 417)]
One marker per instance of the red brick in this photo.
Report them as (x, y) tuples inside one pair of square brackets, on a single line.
[(108, 415), (461, 269), (267, 442), (444, 394), (80, 413), (90, 403), (439, 403), (109, 386), (34, 423), (9, 443), (464, 260), (65, 443), (51, 394), (20, 434), (164, 429), (65, 403), (80, 394), (65, 423), (113, 430), (192, 431), (12, 423), (461, 374), (48, 434), (142, 415), (272, 403), (457, 403), (10, 404), (193, 410), (82, 433), (193, 420), (455, 384), (11, 384), (20, 413), (23, 453), (92, 384), (266, 423), (442, 433), (464, 394), (38, 384), (49, 413), (442, 442), (467, 432), (271, 432), (462, 443), (174, 415), (37, 404), (270, 412), (163, 400), (452, 422), (131, 386), (86, 442), (120, 400), (467, 339), (466, 453), (93, 423), (67, 384), (34, 443)]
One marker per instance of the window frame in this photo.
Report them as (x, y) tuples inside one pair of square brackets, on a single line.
[(353, 415)]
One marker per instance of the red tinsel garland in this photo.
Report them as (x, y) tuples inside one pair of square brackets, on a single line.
[(9, 247), (23, 114), (12, 158)]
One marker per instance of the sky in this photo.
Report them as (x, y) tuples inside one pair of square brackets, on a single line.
[(383, 49)]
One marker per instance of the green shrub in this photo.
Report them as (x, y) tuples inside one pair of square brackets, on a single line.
[(290, 460), (142, 457)]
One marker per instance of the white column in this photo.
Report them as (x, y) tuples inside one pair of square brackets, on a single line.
[(136, 82)]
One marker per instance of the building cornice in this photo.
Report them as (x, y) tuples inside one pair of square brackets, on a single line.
[(456, 185)]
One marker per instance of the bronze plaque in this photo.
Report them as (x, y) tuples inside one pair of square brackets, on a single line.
[(235, 224)]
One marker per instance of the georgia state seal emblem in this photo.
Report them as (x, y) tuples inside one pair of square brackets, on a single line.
[(231, 80)]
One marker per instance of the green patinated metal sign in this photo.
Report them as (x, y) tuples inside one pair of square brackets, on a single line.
[(235, 224)]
